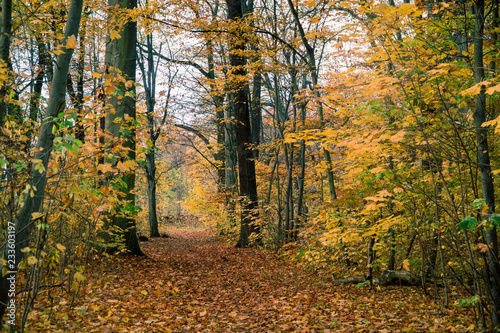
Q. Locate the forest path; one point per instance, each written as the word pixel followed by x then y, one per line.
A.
pixel 193 282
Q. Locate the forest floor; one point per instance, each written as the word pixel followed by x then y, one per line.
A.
pixel 194 282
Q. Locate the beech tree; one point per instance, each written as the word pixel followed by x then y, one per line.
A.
pixel 483 153
pixel 121 61
pixel 237 83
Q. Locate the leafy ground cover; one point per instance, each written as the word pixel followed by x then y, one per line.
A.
pixel 195 282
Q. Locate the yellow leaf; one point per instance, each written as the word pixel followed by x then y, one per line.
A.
pixel 105 167
pixel 79 277
pixel 475 89
pixel 71 42
pixel 406 264
pixel 36 215
pixel 113 34
pixel 310 3
pixel 96 75
pixel 376 199
pixel 32 260
pixel 377 170
pixel 39 167
pixel 129 84
pixel 398 136
pixel 384 193
pixel 60 247
pixel 492 90
pixel 126 166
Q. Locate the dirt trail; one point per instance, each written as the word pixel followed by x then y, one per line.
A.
pixel 195 283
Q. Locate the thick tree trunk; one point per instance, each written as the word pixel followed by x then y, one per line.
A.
pixel 246 164
pixel 121 56
pixel 20 236
pixel 485 167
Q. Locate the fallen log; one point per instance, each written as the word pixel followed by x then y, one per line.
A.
pixel 352 279
pixel 386 278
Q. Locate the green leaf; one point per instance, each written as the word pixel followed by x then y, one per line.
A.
pixel 495 220
pixel 3 162
pixel 479 203
pixel 468 223
pixel 19 166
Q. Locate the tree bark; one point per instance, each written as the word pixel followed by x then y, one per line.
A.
pixel 313 71
pixel 149 82
pixel 34 200
pixel 5 38
pixel 483 156
pixel 121 56
pixel 386 278
pixel 246 164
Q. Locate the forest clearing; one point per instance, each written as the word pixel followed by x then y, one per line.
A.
pixel 194 282
pixel 346 152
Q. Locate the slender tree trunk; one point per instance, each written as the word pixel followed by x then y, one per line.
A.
pixel 149 82
pixel 289 192
pixel 38 84
pixel 484 165
pixel 37 90
pixel 370 260
pixel 301 106
pixel 220 153
pixel 313 71
pixel 5 38
pixel 80 126
pixel 21 232
pixel 151 184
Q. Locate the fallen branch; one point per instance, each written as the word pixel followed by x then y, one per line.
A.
pixel 384 279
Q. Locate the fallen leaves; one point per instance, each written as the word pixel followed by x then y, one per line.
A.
pixel 184 284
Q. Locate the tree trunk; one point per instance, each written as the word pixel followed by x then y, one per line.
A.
pixel 220 153
pixel 5 38
pixel 313 71
pixel 370 260
pixel 151 183
pixel 33 201
pixel 149 82
pixel 484 165
pixel 246 164
pixel 121 56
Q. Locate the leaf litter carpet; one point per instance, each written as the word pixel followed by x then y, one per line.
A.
pixel 193 282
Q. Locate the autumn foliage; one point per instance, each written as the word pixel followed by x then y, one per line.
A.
pixel 353 138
